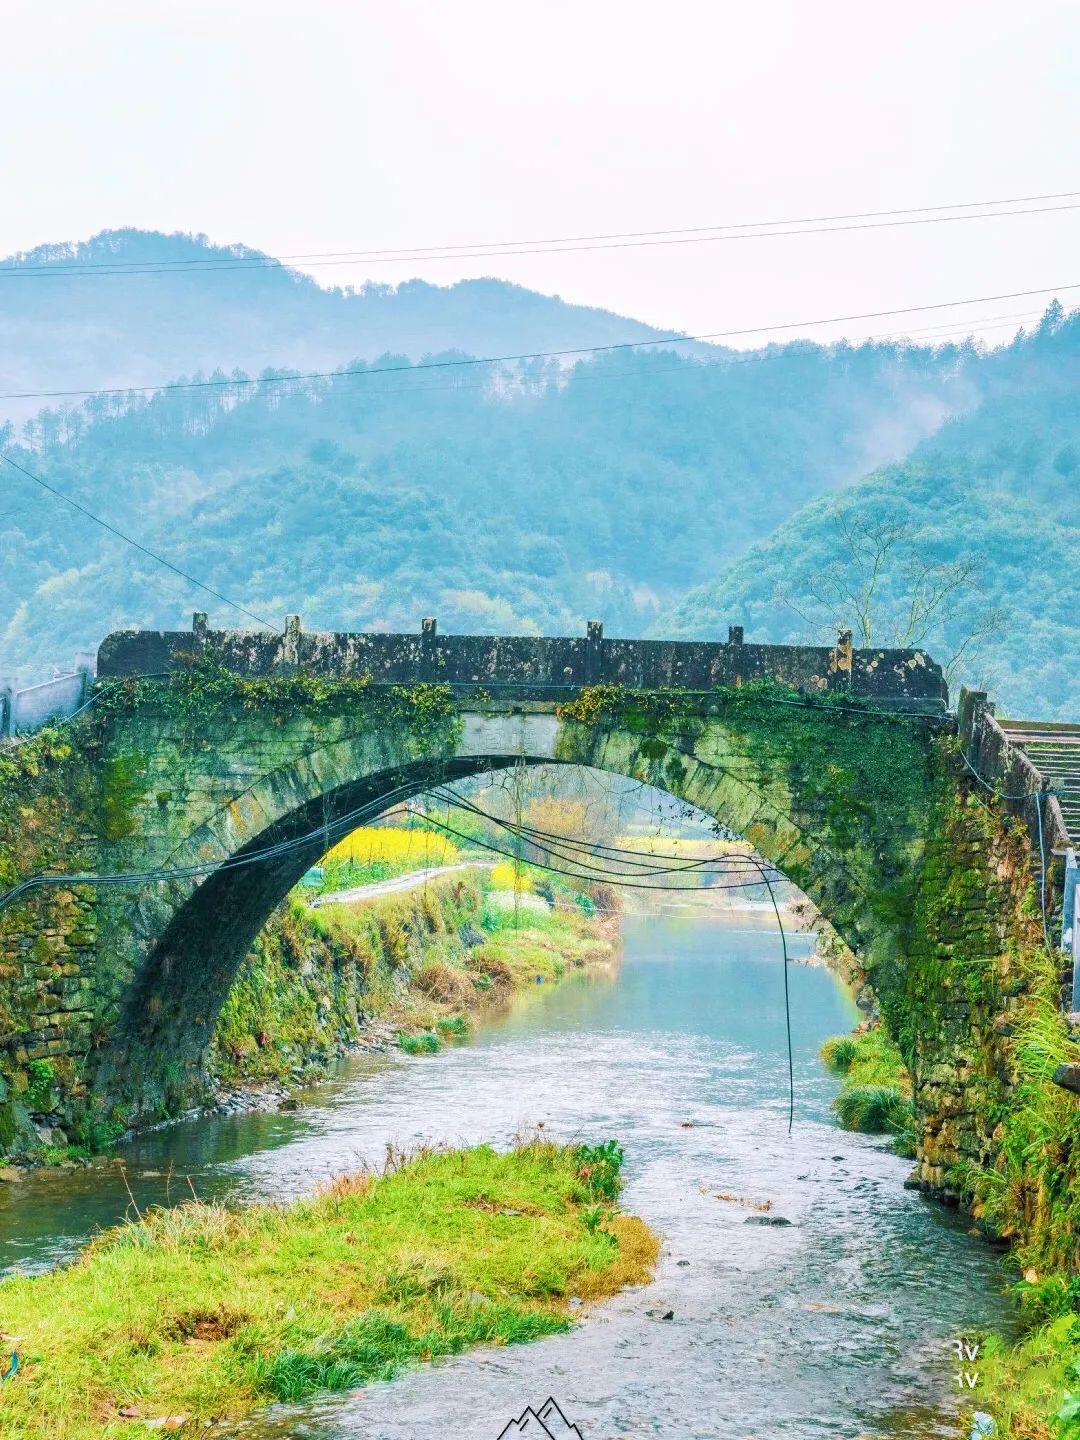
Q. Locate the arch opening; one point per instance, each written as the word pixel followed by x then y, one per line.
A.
pixel 165 1023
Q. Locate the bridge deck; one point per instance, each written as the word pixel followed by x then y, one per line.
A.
pixel 539 667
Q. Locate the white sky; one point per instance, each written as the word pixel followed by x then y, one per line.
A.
pixel 337 125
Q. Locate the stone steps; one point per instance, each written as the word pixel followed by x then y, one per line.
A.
pixel 1054 749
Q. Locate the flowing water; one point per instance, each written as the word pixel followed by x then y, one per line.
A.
pixel 838 1325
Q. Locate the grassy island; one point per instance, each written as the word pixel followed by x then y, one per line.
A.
pixel 207 1313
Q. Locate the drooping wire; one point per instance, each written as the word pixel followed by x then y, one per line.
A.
pixel 787 1003
pixel 186 872
pixel 673 338
pixel 450 797
pixel 158 559
pixel 490 250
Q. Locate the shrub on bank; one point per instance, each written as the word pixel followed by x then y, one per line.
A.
pixel 875 1097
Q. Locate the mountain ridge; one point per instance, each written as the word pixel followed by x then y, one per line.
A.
pixel 96 329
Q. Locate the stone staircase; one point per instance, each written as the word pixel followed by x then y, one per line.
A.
pixel 1054 750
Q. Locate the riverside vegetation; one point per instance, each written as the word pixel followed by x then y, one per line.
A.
pixel 875 1093
pixel 205 1312
pixel 421 963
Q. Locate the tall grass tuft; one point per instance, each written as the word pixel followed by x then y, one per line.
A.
pixel 426 1043
pixel 839 1053
pixel 874 1109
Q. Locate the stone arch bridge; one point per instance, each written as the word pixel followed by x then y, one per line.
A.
pixel 217 764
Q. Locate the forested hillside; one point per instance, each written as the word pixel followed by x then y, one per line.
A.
pixel 517 497
pixel 131 306
pixel 981 524
pixel 498 499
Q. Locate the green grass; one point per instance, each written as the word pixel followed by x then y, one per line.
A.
pixel 875 1097
pixel 839 1053
pixel 205 1311
pixel 452 1027
pixel 873 1109
pixel 425 1043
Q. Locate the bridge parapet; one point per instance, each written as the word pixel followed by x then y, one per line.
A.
pixel 537 667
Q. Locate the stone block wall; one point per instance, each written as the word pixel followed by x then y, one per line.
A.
pixel 48 943
pixel 976 965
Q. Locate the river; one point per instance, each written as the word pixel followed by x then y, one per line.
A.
pixel 838 1325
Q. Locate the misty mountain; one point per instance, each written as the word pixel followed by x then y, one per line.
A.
pixel 994 492
pixel 500 499
pixel 226 307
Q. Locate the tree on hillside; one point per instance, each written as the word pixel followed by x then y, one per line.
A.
pixel 888 591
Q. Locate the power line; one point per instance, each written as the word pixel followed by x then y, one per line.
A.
pixel 635 859
pixel 470 361
pixel 186 872
pixel 685 235
pixel 725 362
pixel 763 878
pixel 159 559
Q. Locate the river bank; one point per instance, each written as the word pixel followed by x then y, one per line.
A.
pixel 413 968
pixel 198 1315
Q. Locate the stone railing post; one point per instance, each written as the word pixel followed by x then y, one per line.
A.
pixel 735 645
pixel 290 645
pixel 594 652
pixel 199 625
pixel 7 707
pixel 844 656
pixel 429 639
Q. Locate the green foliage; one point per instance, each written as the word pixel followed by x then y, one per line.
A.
pixel 875 1097
pixel 874 1109
pixel 425 1043
pixel 41 1076
pixel 452 1027
pixel 839 1053
pixel 203 685
pixel 994 488
pixel 600 1166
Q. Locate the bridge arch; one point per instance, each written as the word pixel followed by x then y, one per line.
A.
pixel 835 796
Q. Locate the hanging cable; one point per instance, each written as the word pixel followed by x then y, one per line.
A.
pixel 764 877
pixel 673 338
pixel 787 1004
pixel 491 250
pixel 158 559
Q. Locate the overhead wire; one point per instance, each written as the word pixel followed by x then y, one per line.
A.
pixel 540 837
pixel 468 361
pixel 165 874
pixel 763 878
pixel 568 239
pixel 136 544
pixel 688 235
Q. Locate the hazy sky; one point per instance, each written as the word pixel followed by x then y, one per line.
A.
pixel 339 125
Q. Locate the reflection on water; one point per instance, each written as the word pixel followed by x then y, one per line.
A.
pixel 832 1327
